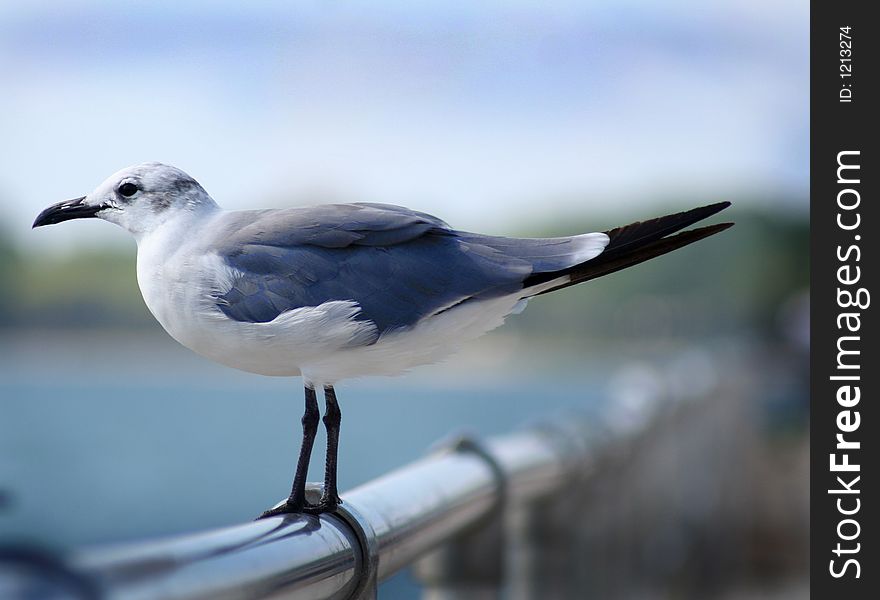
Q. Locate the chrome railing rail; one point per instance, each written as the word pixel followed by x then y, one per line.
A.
pixel 382 527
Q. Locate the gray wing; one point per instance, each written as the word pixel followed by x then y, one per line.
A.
pixel 398 265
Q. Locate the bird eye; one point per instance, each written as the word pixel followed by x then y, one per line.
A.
pixel 128 189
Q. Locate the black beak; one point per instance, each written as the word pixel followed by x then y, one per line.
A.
pixel 64 211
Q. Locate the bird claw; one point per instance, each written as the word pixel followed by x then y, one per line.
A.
pixel 326 505
pixel 282 509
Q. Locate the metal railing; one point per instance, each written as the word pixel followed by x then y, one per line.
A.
pixel 664 494
pixel 456 497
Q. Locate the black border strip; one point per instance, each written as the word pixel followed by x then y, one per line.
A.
pixel 844 227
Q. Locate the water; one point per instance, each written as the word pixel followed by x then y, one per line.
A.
pixel 118 438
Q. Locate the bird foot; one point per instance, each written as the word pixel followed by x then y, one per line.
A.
pixel 315 503
pixel 285 508
pixel 326 505
pixel 319 501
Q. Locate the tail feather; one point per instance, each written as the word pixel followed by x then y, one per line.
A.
pixel 635 243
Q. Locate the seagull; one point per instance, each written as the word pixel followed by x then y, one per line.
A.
pixel 341 290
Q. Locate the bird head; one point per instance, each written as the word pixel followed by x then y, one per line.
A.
pixel 138 198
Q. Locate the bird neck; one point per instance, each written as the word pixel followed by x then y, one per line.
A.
pixel 176 223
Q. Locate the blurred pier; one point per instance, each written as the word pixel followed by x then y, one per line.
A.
pixel 575 507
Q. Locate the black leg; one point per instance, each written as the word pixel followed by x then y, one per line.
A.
pixel 296 502
pixel 332 419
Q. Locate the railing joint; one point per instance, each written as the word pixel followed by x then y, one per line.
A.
pixel 368 545
pixel 464 442
pixel 368 580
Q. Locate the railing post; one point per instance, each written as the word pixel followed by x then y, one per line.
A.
pixel 542 549
pixel 544 533
pixel 471 566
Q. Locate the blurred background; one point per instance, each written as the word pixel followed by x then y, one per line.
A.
pixel 512 118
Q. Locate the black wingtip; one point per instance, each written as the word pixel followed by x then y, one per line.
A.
pixel 635 235
pixel 719 205
pixel 711 209
pixel 611 264
pixel 640 241
pixel 692 235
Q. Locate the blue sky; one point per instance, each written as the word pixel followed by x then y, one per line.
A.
pixel 487 114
